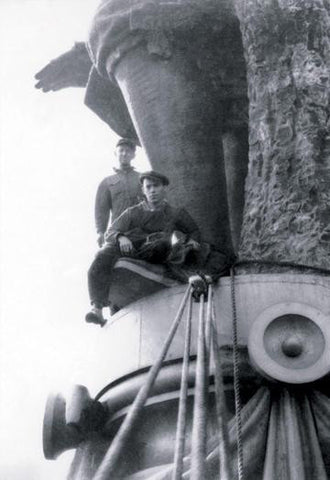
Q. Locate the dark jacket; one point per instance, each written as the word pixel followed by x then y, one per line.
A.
pixel 115 194
pixel 139 222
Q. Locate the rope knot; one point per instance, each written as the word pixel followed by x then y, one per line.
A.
pixel 199 284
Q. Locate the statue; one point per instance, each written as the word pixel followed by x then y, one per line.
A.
pixel 179 76
pixel 202 85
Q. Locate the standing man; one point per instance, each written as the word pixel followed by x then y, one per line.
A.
pixel 117 192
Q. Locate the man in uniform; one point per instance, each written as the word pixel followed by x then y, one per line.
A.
pixel 119 191
pixel 144 232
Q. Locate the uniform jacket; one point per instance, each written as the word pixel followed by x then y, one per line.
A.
pixel 139 223
pixel 114 194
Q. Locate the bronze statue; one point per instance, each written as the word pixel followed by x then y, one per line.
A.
pixel 180 76
pixel 152 78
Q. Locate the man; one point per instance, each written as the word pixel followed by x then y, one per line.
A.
pixel 144 232
pixel 119 191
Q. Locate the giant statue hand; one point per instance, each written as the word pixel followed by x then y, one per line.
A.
pixel 74 69
pixel 71 69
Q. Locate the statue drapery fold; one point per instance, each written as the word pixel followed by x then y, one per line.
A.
pixel 284 438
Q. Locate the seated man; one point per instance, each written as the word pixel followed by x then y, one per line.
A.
pixel 143 232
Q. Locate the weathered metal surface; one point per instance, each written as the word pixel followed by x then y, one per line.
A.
pixel 179 71
pixel 287 51
pixel 290 342
pixel 141 327
pixel 173 111
pixel 283 430
pixel 266 413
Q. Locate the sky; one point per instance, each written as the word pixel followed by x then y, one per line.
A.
pixel 53 154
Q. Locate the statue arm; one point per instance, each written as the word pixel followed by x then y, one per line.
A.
pixel 71 69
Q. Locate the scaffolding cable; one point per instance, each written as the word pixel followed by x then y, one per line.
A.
pixel 208 324
pixel 224 455
pixel 182 414
pixel 108 467
pixel 199 430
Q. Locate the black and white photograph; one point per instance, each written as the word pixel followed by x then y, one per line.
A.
pixel 165 240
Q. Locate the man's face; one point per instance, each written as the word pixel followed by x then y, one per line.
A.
pixel 153 190
pixel 125 155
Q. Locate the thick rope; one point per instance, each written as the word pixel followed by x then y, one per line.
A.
pixel 199 429
pixel 182 414
pixel 208 324
pixel 107 469
pixel 222 417
pixel 237 393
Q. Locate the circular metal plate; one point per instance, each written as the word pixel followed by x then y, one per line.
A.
pixel 290 342
pixel 53 426
pixel 57 436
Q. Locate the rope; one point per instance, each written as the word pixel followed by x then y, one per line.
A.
pixel 237 393
pixel 224 455
pixel 198 441
pixel 110 461
pixel 208 324
pixel 182 414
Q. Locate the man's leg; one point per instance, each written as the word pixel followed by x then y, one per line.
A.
pixel 99 276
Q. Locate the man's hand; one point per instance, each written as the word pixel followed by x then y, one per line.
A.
pixel 100 239
pixel 125 245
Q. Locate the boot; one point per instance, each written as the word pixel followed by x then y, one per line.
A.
pixel 95 316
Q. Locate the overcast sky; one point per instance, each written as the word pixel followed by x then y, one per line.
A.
pixel 53 154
